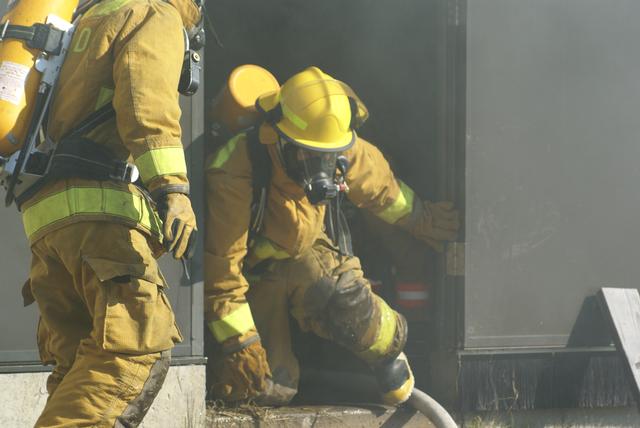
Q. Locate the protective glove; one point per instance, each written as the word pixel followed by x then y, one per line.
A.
pixel 433 223
pixel 179 228
pixel 243 374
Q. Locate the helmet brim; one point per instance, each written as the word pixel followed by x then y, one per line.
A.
pixel 289 134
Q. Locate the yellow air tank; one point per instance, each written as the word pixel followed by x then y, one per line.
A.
pixel 234 107
pixel 19 79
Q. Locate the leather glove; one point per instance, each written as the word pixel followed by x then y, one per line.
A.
pixel 241 375
pixel 433 223
pixel 179 228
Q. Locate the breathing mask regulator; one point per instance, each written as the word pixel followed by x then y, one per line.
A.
pixel 315 120
pixel 315 171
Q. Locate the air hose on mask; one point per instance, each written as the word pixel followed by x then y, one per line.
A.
pixel 355 382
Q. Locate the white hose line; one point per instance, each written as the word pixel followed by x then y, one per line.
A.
pixel 431 409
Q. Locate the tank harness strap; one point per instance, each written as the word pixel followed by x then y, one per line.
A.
pixel 43 37
pixel 92 121
pixel 260 181
pixel 81 9
pixel 260 177
pixel 78 157
pixel 337 226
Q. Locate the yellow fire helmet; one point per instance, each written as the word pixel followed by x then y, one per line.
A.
pixel 315 111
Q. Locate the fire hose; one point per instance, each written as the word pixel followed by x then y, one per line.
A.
pixel 431 409
pixel 419 400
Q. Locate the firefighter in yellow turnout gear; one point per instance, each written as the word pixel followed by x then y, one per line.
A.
pixel 106 323
pixel 257 278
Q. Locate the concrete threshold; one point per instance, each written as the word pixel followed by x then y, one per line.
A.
pixel 360 416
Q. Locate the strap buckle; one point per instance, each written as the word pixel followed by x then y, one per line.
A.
pixel 43 37
pixel 46 38
pixel 4 30
pixel 126 172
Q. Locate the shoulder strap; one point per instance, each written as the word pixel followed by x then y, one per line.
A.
pixel 92 121
pixel 81 9
pixel 337 226
pixel 260 177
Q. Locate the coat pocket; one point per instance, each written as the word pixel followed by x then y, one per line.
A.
pixel 132 312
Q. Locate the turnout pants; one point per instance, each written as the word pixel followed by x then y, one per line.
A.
pixel 106 324
pixel 327 295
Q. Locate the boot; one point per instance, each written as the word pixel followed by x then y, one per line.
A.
pixel 395 381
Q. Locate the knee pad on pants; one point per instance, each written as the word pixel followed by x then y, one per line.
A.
pixel 363 322
pixel 350 310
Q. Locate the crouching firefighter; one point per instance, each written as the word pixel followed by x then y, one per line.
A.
pixel 269 255
pixel 106 324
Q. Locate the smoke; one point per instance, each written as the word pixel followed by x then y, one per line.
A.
pixel 386 50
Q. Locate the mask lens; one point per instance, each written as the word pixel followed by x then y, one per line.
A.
pixel 306 166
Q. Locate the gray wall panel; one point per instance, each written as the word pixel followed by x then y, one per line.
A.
pixel 17 324
pixel 553 164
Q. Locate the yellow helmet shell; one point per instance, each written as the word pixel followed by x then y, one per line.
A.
pixel 316 111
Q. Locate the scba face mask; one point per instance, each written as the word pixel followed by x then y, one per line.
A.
pixel 314 171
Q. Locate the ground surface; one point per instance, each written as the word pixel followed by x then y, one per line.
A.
pixel 377 416
pixel 316 417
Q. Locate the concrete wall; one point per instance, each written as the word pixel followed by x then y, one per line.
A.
pixel 180 403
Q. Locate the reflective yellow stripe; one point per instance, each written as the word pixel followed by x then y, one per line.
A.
pixel 402 206
pixel 105 7
pixel 89 201
pixel 265 248
pixel 294 118
pixel 164 161
pixel 399 395
pixel 387 331
pixel 236 323
pixel 105 95
pixel 224 153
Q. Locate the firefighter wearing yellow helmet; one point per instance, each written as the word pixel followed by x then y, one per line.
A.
pixel 106 324
pixel 269 256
